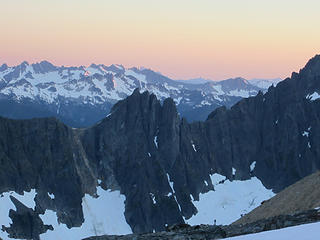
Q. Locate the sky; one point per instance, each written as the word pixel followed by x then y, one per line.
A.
pixel 215 39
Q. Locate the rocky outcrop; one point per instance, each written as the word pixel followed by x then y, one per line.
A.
pixel 26 223
pixel 158 160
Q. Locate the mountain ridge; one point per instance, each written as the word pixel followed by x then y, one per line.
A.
pixel 161 163
pixel 81 96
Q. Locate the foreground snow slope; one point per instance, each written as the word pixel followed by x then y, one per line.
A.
pixel 303 232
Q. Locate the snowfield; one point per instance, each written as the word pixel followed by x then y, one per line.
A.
pixel 103 215
pixel 302 232
pixel 229 201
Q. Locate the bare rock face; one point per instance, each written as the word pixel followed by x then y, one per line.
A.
pixel 143 145
pixel 26 223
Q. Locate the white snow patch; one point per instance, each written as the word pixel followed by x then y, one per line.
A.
pixel 218 89
pixel 234 171
pixel 155 140
pixel 309 145
pixel 103 215
pixel 172 190
pixel 252 166
pixel 206 183
pixel 312 97
pixel 277 121
pixel 119 66
pixel 194 147
pixel 140 77
pixel 153 198
pixel 263 83
pixel 51 196
pixel 309 231
pixel 229 200
pixel 149 154
pixel 307 132
pixel 205 102
pixel 178 100
pixel 239 93
pixel 192 199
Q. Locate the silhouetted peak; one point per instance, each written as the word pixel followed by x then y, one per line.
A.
pixel 312 67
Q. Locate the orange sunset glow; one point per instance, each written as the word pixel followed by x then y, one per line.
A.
pixel 181 39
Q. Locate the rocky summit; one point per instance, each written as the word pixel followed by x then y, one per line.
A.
pixel 162 164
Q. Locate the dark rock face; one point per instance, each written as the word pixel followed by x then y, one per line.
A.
pixel 26 223
pixel 43 154
pixel 144 144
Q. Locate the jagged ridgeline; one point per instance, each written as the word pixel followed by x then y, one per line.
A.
pixel 158 161
pixel 81 96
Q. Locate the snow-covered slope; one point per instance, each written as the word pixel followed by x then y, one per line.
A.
pixel 105 214
pixel 302 232
pixel 98 83
pixel 229 201
pixel 102 215
pixel 264 83
pixel 60 89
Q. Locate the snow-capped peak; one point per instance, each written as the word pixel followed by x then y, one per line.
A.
pixel 98 84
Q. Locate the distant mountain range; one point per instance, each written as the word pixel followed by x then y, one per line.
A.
pixel 258 82
pixel 81 96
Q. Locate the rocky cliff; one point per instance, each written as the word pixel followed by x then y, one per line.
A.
pixel 160 162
